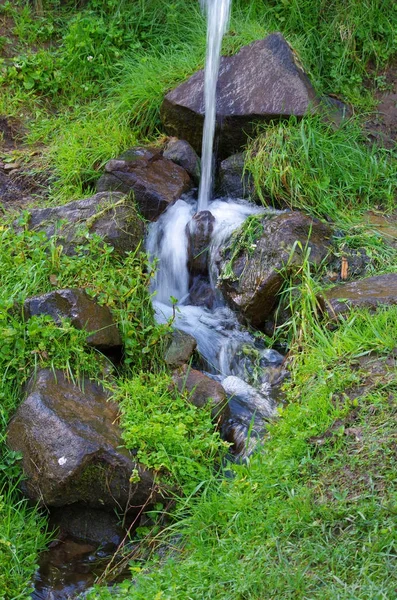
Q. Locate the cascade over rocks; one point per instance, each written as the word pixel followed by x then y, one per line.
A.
pixel 72 446
pixel 263 81
pixel 369 293
pixel 155 181
pixel 83 312
pixel 112 216
pixel 258 271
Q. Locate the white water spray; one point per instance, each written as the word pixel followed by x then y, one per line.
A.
pixel 218 12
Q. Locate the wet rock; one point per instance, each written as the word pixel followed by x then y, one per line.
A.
pixel 72 447
pixel 83 312
pixel 199 231
pixel 365 293
pixel 181 153
pixel 263 81
pixel 112 216
pixel 201 293
pixel 250 284
pixel 233 182
pixel 87 524
pixel 203 390
pixel 181 349
pixel 154 180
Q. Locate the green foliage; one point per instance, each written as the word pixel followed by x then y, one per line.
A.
pixel 170 434
pixel 243 240
pixel 328 172
pixel 304 518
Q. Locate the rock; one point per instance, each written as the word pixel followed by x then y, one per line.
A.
pixel 181 349
pixel 201 292
pixel 181 153
pixel 83 312
pixel 199 231
pixel 72 446
pixel 263 81
pixel 154 180
pixel 112 216
pixel 87 524
pixel 233 182
pixel 203 390
pixel 251 283
pixel 366 293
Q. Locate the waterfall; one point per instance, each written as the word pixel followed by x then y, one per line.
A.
pixel 218 12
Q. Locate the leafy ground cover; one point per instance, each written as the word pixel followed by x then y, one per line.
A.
pixel 311 517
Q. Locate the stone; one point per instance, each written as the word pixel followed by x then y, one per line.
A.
pixel 110 215
pixel 252 282
pixel 263 81
pixel 181 153
pixel 233 181
pixel 87 524
pixel 71 446
pixel 181 349
pixel 154 181
pixel 201 292
pixel 83 313
pixel 369 293
pixel 202 391
pixel 199 231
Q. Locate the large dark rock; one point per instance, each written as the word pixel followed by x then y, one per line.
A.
pixel 251 282
pixel 366 293
pixel 112 216
pixel 181 153
pixel 203 391
pixel 83 312
pixel 199 231
pixel 72 447
pixel 154 180
pixel 263 81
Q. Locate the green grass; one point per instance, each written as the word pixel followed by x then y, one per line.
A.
pixel 303 519
pixel 328 172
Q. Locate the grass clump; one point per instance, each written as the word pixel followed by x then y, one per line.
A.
pixel 327 172
pixel 290 523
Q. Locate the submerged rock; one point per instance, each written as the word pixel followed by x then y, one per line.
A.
pixel 154 180
pixel 251 275
pixel 202 391
pixel 365 293
pixel 112 216
pixel 72 447
pixel 83 312
pixel 181 153
pixel 263 81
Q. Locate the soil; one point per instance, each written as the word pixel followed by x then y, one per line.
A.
pixel 382 126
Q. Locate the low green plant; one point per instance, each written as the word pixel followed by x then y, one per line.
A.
pixel 244 239
pixel 170 435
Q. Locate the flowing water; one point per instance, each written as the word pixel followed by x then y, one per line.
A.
pixel 218 12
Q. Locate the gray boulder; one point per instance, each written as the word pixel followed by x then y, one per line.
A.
pixel 83 312
pixel 251 281
pixel 181 153
pixel 180 349
pixel 263 81
pixel 72 447
pixel 369 293
pixel 154 180
pixel 112 216
pixel 233 181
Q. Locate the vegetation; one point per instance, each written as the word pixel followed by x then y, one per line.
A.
pixel 312 516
